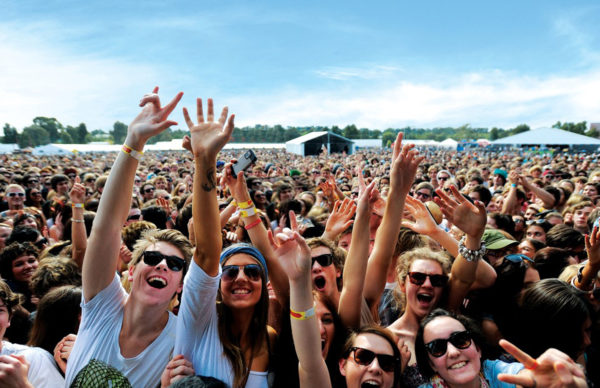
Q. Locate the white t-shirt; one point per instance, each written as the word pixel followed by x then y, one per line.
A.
pixel 42 368
pixel 96 356
pixel 198 333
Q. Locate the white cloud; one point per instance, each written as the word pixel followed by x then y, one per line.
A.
pixel 487 99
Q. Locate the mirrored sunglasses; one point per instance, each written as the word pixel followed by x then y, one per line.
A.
pixel 251 271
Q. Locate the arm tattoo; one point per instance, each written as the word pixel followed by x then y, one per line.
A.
pixel 210 183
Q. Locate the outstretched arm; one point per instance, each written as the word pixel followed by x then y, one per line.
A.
pixel 355 267
pixel 207 139
pixel 552 369
pixel 405 161
pixel 105 239
pixel 510 205
pixel 258 234
pixel 547 198
pixel 296 262
pixel 471 219
pixel 78 232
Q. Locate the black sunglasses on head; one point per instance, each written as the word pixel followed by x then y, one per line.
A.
pixel 174 263
pixel 365 357
pixel 323 260
pixel 439 347
pixel 418 278
pixel 230 272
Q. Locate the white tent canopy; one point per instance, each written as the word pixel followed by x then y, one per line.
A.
pixel 547 136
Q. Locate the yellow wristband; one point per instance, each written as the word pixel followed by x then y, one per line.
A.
pixel 248 212
pixel 303 315
pixel 77 205
pixel 131 152
pixel 246 204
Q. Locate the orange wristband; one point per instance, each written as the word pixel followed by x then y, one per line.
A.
pixel 253 224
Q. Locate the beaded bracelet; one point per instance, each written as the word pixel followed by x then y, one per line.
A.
pixel 78 221
pixel 303 315
pixel 471 254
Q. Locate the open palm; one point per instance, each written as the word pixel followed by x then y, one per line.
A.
pixel 208 137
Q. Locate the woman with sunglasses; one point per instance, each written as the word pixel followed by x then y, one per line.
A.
pixel 229 339
pixel 428 279
pixel 370 356
pixel 128 338
pixel 449 354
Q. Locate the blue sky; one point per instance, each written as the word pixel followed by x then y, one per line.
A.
pixel 376 64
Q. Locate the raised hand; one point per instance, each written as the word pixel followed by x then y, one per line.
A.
pixel 208 137
pixel 553 369
pixel 294 255
pixel 424 223
pixel 176 369
pixel 77 193
pixel 468 217
pixel 152 120
pixel 340 218
pixel 405 161
pixel 237 186
pixel 592 246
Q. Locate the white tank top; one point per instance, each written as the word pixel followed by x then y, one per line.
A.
pixel 257 380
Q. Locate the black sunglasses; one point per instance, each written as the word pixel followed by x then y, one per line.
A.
pixel 40 243
pixel 13 194
pixel 230 272
pixel 174 263
pixel 418 278
pixel 149 190
pixel 439 347
pixel 365 357
pixel 134 217
pixel 422 194
pixel 536 222
pixel 323 260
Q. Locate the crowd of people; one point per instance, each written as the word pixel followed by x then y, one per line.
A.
pixel 385 268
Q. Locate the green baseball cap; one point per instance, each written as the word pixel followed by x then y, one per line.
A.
pixel 495 239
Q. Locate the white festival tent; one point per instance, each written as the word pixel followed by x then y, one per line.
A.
pixel 547 137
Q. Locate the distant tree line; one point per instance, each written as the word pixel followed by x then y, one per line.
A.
pixel 45 130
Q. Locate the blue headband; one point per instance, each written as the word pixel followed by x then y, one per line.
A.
pixel 247 249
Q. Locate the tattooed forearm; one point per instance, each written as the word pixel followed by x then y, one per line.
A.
pixel 210 183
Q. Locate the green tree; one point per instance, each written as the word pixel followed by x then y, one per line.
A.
pixel 119 132
pixel 11 135
pixel 33 136
pixel 65 138
pixel 52 126
pixel 351 132
pixel 388 137
pixel 520 128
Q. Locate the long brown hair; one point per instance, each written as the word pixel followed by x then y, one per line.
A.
pixel 258 329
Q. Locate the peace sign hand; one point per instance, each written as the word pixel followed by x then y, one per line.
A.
pixel 152 120
pixel 553 369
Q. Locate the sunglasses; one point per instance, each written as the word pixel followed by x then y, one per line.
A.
pixel 134 217
pixel 40 244
pixel 33 181
pixel 458 339
pixel 443 178
pixel 536 222
pixel 16 194
pixel 418 278
pixel 365 357
pixel 174 263
pixel 422 194
pixel 149 190
pixel 518 220
pixel 518 257
pixel 323 260
pixel 251 271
